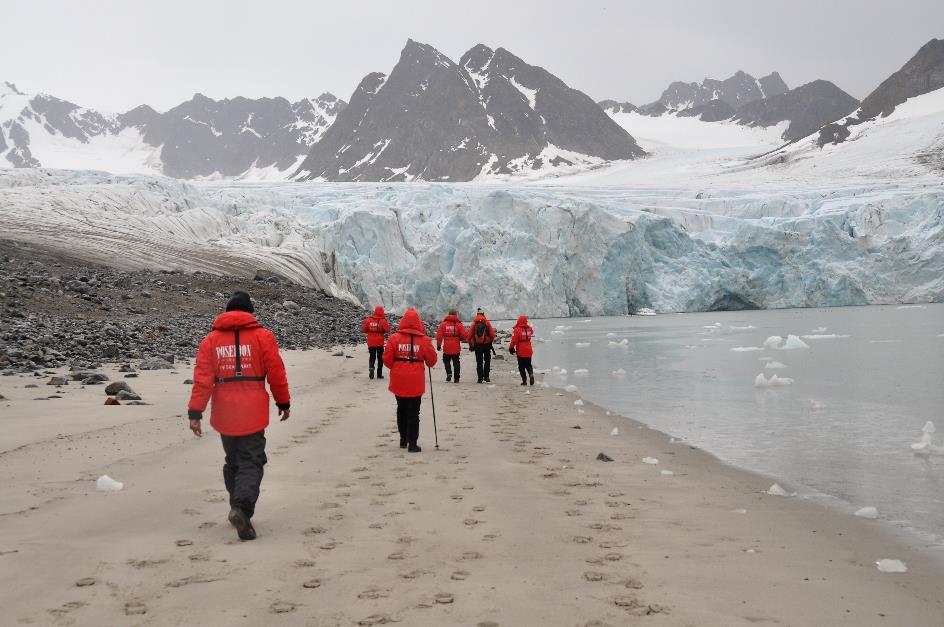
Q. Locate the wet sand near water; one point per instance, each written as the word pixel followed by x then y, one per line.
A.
pixel 512 522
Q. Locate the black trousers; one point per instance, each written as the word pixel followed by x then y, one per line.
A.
pixel 376 355
pixel 242 471
pixel 483 361
pixel 408 417
pixel 524 367
pixel 451 362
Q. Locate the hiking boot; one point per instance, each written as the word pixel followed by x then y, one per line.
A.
pixel 524 383
pixel 370 373
pixel 480 380
pixel 380 375
pixel 457 380
pixel 448 378
pixel 414 448
pixel 487 380
pixel 402 442
pixel 532 379
pixel 244 529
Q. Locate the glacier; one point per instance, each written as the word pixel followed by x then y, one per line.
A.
pixel 726 227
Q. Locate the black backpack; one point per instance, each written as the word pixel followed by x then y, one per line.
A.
pixel 481 332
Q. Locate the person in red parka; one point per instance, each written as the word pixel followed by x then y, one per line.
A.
pixel 481 338
pixel 233 363
pixel 408 353
pixel 376 327
pixel 449 340
pixel 521 338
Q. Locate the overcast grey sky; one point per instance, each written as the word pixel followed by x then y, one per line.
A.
pixel 116 54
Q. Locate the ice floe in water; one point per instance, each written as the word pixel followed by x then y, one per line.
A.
pixel 891 566
pixel 777 490
pixel 650 460
pixel 912 307
pixel 774 341
pixel 746 349
pixel 870 513
pixel 773 365
pixel 107 484
pixel 582 344
pixel 737 328
pixel 611 335
pixel 927 444
pixel 623 343
pixel 619 372
pixel 818 330
pixel 570 388
pixel 793 343
pixel 774 381
pixel 823 336
pixel 581 372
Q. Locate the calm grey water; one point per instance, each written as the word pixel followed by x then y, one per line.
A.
pixel 843 429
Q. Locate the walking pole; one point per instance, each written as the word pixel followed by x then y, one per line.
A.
pixel 432 399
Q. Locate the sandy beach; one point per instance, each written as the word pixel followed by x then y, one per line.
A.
pixel 512 522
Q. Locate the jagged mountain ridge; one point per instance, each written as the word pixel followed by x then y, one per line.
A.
pixel 489 114
pixel 201 137
pixel 922 74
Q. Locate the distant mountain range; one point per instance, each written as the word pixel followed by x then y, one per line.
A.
pixel 489 114
pixel 750 101
pixel 200 138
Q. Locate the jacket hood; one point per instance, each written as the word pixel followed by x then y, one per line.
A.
pixel 232 320
pixel 481 316
pixel 451 318
pixel 522 321
pixel 379 313
pixel 411 323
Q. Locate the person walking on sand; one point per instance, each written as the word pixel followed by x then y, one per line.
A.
pixel 481 337
pixel 521 346
pixel 449 340
pixel 408 353
pixel 233 363
pixel 376 327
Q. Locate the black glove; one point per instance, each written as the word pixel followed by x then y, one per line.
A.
pixel 511 350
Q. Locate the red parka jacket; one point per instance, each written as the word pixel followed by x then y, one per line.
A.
pixel 521 337
pixel 239 407
pixel 450 336
pixel 407 354
pixel 491 332
pixel 376 327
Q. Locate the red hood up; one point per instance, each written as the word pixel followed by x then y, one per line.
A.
pixel 451 318
pixel 379 313
pixel 411 323
pixel 522 321
pixel 232 320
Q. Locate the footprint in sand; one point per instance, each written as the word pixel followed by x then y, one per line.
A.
pixel 444 598
pixel 85 581
pixel 312 583
pixel 336 516
pixel 135 608
pixel 328 546
pixel 206 525
pixel 405 540
pixel 66 608
pixel 471 522
pixel 184 542
pixel 330 505
pixel 303 563
pixel 561 492
pixel 413 574
pixel 375 525
pixel 199 557
pixel 377 619
pixel 581 539
pixel 478 508
pixel 456 497
pixel 397 555
pixel 574 512
pixel 459 575
pixel 487 623
pixel 374 593
pixel 631 583
pixel 591 575
pixel 489 537
pixel 282 607
pixel 471 555
pixel 192 579
pixel 139 564
pixel 604 527
pixel 313 531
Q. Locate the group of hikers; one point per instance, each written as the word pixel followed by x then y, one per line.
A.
pixel 238 356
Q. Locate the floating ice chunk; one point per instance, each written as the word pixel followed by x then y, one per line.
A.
pixel 737 328
pixel 578 402
pixel 927 445
pixel 667 473
pixel 912 307
pixel 107 484
pixel 615 431
pixel 611 335
pixel 928 427
pixel 774 341
pixel 777 490
pixel 541 340
pixel 582 344
pixel 623 343
pixel 891 566
pixel 619 372
pixel 818 330
pixel 746 349
pixel 824 336
pixel 793 343
pixel 570 388
pixel 556 332
pixel 581 372
pixel 561 327
pixel 774 381
pixel 712 327
pixel 867 512
pixel 588 321
pixel 765 358
pixel 774 365
pixel 815 405
pixel 650 460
